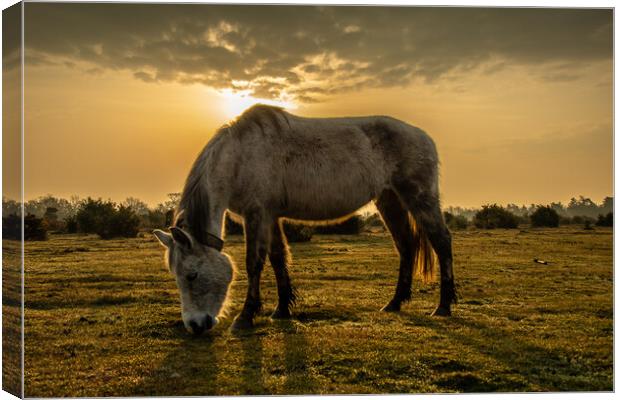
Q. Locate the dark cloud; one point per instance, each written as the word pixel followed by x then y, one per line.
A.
pixel 271 50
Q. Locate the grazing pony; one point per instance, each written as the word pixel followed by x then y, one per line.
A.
pixel 269 165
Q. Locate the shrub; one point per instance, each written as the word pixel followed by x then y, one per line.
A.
pixel 12 227
pixel 297 232
pixel 71 224
pixel 582 219
pixel 34 228
pixel 605 220
pixel 233 227
pixel 106 219
pixel 565 220
pixel 455 222
pixel 494 216
pixel 351 226
pixel 52 220
pixel 373 221
pixel 545 216
pixel 156 219
pixel 123 222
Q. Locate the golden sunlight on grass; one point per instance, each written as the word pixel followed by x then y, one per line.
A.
pixel 234 103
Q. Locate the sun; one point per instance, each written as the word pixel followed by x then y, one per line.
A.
pixel 234 103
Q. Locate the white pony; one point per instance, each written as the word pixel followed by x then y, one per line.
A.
pixel 270 165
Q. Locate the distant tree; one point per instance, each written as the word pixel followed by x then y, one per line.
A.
pixel 605 220
pixel 545 216
pixel 34 228
pixel 373 220
pixel 608 205
pixel 107 219
pixel 565 220
pixel 10 207
pixel 139 207
pixel 455 222
pixel 156 219
pixel 92 213
pixel 172 202
pixel 582 206
pixel 170 217
pixel 39 205
pixel 494 216
pixel 582 219
pixel 52 220
pixel 559 208
pixel 351 226
pixel 468 213
pixel 12 227
pixel 71 224
pixel 123 222
pixel 297 232
pixel 233 227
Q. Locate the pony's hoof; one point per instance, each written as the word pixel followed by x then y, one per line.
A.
pixel 281 314
pixel 241 323
pixel 391 307
pixel 442 311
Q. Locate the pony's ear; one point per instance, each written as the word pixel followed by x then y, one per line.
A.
pixel 181 237
pixel 164 238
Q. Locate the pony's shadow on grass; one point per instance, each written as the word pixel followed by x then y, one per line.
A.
pixel 290 362
pixel 190 369
pixel 523 363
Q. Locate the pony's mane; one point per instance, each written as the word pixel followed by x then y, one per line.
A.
pixel 193 210
pixel 261 116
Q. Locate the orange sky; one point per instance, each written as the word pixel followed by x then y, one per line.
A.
pixel 120 106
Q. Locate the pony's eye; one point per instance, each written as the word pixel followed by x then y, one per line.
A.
pixel 191 276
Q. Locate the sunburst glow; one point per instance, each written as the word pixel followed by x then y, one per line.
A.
pixel 234 103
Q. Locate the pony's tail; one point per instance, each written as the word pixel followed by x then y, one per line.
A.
pixel 424 257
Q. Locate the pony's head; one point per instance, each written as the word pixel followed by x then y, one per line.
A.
pixel 203 275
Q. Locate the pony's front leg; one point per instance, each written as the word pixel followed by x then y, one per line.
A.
pixel 257 237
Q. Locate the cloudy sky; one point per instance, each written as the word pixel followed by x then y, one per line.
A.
pixel 120 98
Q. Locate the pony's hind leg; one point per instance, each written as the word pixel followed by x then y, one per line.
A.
pixel 396 218
pixel 257 236
pixel 279 258
pixel 424 206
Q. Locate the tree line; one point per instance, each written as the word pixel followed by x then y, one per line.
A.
pixel 109 219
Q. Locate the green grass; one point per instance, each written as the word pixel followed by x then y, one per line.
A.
pixel 103 318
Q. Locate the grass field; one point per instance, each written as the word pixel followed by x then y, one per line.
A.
pixel 103 318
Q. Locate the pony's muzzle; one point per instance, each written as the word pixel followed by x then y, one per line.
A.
pixel 197 327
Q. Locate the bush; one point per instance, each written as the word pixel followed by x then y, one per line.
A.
pixel 494 216
pixel 232 227
pixel 297 232
pixel 373 221
pixel 12 227
pixel 582 219
pixel 545 216
pixel 455 222
pixel 123 222
pixel 106 219
pixel 565 220
pixel 71 224
pixel 605 220
pixel 352 226
pixel 34 228
pixel 52 221
pixel 156 219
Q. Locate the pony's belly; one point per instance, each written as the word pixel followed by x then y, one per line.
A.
pixel 321 206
